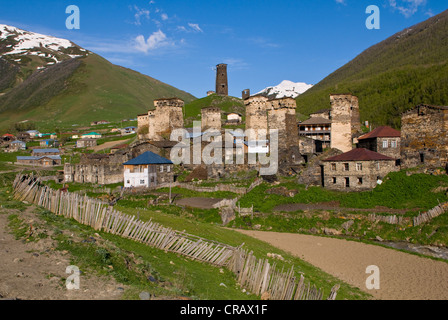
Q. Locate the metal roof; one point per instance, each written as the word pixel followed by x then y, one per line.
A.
pixel 148 158
pixel 381 132
pixel 360 154
pixel 46 151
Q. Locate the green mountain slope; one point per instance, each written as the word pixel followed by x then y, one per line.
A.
pixel 393 76
pixel 83 90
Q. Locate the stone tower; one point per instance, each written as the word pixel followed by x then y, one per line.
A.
pixel 211 118
pixel 222 86
pixel 346 123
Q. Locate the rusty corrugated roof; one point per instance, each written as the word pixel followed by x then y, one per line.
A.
pixel 360 154
pixel 381 132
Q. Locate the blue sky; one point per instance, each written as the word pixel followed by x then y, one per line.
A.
pixel 263 42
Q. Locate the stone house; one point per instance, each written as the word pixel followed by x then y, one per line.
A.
pixel 147 170
pixel 49 143
pixel 17 145
pixel 44 161
pixel 86 143
pixel 384 140
pixel 424 139
pixel 356 170
pixel 318 129
pixel 233 118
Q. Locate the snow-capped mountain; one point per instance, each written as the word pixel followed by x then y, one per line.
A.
pixel 286 89
pixel 16 43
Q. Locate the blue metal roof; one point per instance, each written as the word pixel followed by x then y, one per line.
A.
pixel 46 150
pixel 148 158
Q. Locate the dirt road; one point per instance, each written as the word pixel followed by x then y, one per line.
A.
pixel 36 271
pixel 402 276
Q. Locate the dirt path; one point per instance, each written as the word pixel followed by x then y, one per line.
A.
pixel 36 271
pixel 201 203
pixel 107 145
pixel 402 276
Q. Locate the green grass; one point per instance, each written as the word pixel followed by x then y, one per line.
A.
pixel 399 191
pixel 97 90
pixel 227 104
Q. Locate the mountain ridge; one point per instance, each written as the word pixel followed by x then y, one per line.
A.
pixel 52 79
pixel 392 76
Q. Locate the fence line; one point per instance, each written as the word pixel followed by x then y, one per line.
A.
pixel 431 214
pixel 387 219
pixel 256 275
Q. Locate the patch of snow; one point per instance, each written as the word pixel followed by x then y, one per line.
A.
pixel 29 40
pixel 287 89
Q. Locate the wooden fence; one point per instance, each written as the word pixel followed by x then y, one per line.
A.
pixel 256 275
pixel 101 217
pixel 431 214
pixel 387 219
pixel 260 277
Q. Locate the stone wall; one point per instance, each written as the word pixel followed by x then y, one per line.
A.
pixel 424 137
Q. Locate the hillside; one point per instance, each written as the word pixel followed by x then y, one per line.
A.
pixel 226 103
pixel 49 85
pixel 393 76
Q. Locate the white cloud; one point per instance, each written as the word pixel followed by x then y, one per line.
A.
pixel 164 16
pixel 139 14
pixel 236 64
pixel 192 27
pixel 155 41
pixel 195 27
pixel 407 7
pixel 341 2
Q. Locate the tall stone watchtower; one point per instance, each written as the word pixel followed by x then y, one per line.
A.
pixel 222 85
pixel 345 118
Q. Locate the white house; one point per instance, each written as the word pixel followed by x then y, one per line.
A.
pixel 257 146
pixel 147 170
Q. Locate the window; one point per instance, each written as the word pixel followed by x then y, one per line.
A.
pixel 334 180
pixel 168 169
pixel 359 167
pixel 142 181
pixel 393 144
pixel 333 167
pixel 161 168
pixel 359 181
pixel 377 165
pixel 346 167
pixel 128 181
pixel 385 144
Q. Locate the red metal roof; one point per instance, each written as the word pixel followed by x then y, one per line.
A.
pixel 381 132
pixel 360 154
